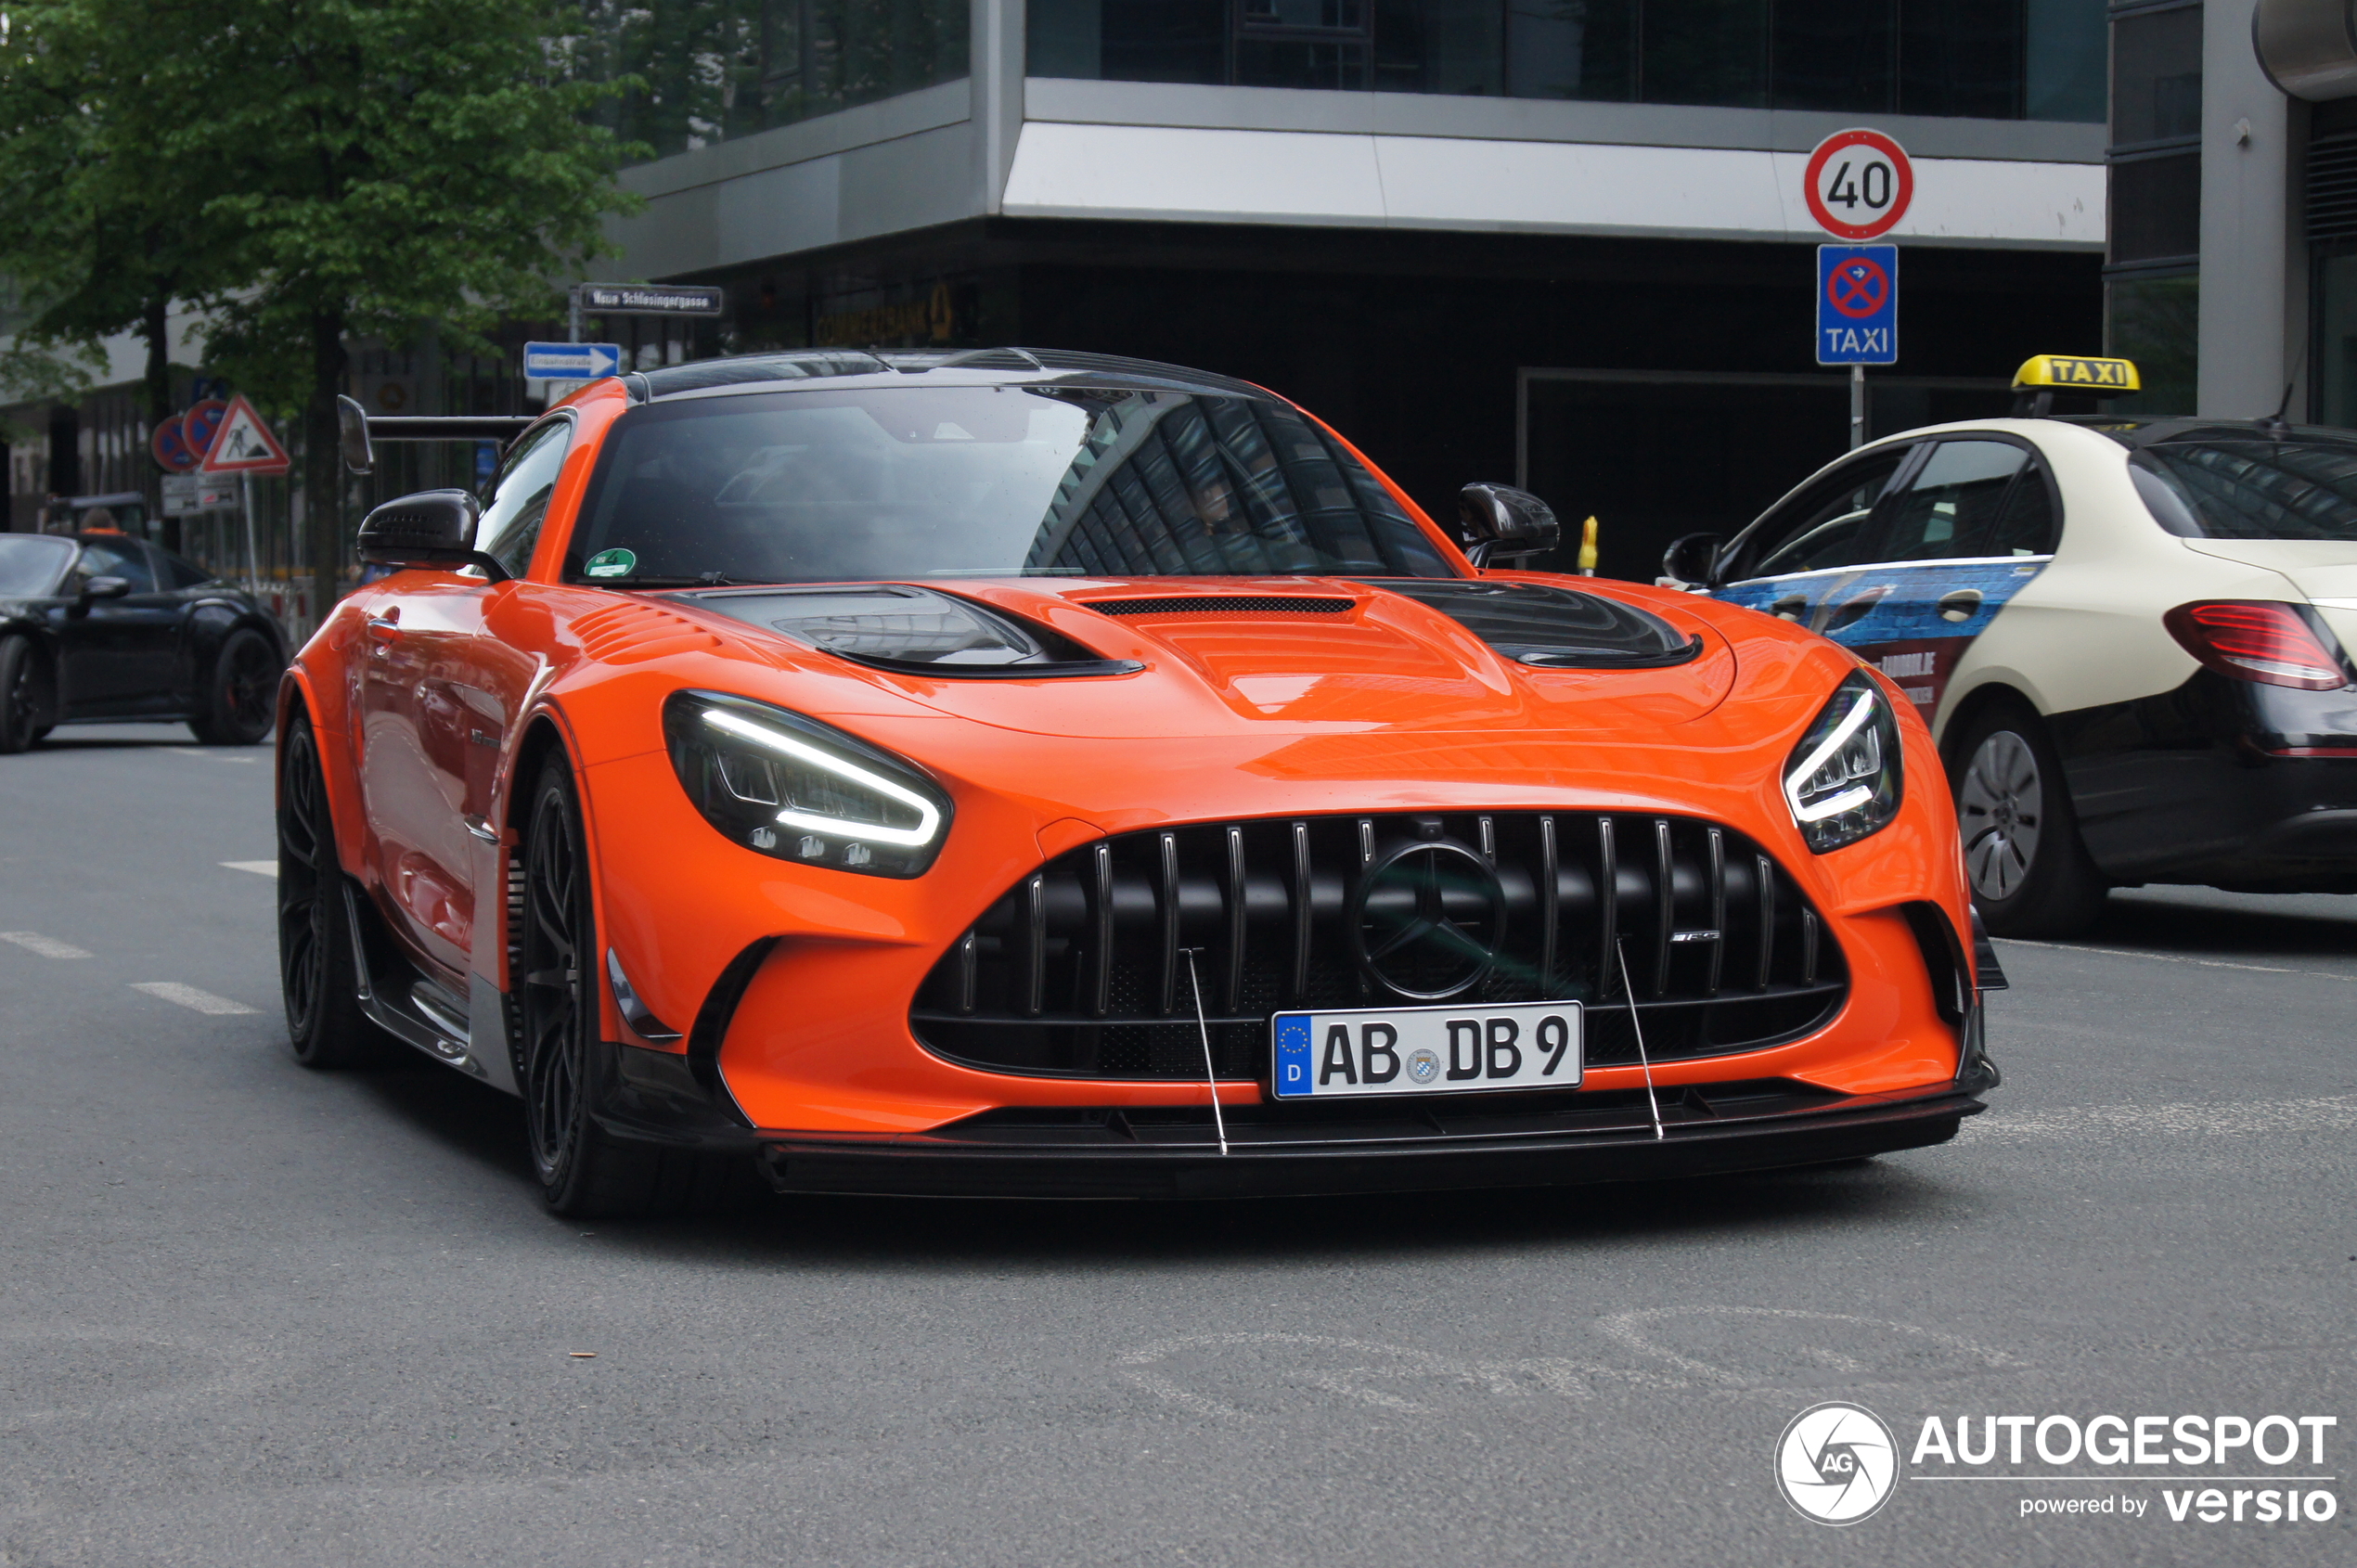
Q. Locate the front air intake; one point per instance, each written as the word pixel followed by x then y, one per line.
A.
pixel 1081 969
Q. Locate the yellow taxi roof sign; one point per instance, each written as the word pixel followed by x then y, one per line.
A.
pixel 2100 376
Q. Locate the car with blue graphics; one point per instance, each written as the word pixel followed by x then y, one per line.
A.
pixel 2128 633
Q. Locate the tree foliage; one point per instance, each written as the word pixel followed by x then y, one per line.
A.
pixel 307 171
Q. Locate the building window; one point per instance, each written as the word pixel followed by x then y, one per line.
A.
pixel 2005 59
pixel 712 69
pixel 2152 283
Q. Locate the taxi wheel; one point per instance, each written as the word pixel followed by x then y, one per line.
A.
pixel 585 1171
pixel 2031 875
pixel 318 975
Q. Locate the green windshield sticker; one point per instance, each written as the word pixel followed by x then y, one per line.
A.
pixel 611 563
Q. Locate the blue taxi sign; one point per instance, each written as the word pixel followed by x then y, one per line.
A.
pixel 1857 305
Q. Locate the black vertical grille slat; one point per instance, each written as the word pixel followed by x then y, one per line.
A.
pixel 2332 187
pixel 1304 894
pixel 1717 944
pixel 1238 913
pixel 1550 900
pixel 1074 971
pixel 1608 961
pixel 1100 935
pixel 1035 944
pixel 1765 872
pixel 1167 913
pixel 1665 904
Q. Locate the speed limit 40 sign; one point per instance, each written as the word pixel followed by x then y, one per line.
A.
pixel 1858 184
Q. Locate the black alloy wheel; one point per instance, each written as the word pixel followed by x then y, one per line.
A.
pixel 24 694
pixel 584 1170
pixel 318 973
pixel 241 691
pixel 2030 872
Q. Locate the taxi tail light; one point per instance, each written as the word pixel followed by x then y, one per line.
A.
pixel 2263 640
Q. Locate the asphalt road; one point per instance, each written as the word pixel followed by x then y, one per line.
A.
pixel 255 1315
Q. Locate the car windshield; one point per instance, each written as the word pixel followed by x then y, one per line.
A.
pixel 32 563
pixel 2254 489
pixel 895 483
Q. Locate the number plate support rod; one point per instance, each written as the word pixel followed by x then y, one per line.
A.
pixel 1653 1102
pixel 1211 1075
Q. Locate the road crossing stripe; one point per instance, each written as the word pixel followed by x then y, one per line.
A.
pixel 217 756
pixel 2164 957
pixel 189 996
pixel 47 947
pixel 259 868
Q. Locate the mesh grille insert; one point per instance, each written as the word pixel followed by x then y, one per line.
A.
pixel 1233 604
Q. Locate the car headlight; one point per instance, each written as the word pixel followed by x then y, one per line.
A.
pixel 797 789
pixel 1843 781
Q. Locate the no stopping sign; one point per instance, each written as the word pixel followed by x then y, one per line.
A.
pixel 1858 184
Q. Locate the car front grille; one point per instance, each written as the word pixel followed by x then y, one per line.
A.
pixel 1093 965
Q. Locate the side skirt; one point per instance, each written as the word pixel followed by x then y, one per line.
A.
pixel 422 1011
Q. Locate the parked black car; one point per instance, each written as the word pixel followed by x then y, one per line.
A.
pixel 101 627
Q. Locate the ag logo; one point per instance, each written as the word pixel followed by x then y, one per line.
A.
pixel 1837 1464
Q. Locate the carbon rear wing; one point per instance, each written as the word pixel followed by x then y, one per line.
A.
pixel 359 430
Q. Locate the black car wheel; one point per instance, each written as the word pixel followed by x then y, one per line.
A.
pixel 583 1169
pixel 24 694
pixel 2031 875
pixel 235 706
pixel 318 974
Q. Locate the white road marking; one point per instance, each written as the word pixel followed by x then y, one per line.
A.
pixel 2165 957
pixel 47 947
pixel 2244 1119
pixel 189 996
pixel 217 756
pixel 259 868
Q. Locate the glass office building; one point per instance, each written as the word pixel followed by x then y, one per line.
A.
pixel 1558 241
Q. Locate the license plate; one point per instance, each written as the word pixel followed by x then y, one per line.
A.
pixel 1427 1051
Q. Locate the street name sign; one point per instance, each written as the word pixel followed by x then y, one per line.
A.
pixel 1858 184
pixel 649 299
pixel 1857 305
pixel 571 362
pixel 244 445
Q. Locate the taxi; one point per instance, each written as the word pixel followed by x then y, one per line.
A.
pixel 2127 633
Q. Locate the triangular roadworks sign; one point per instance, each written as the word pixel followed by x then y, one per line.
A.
pixel 243 445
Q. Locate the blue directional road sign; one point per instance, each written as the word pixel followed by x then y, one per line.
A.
pixel 1857 305
pixel 571 362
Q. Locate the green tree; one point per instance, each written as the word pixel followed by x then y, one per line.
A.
pixel 108 226
pixel 388 163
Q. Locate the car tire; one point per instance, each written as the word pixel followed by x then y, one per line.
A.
pixel 586 1172
pixel 2029 870
pixel 318 972
pixel 241 692
pixel 24 694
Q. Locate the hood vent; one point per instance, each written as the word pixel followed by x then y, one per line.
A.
pixel 912 631
pixel 1219 604
pixel 1553 628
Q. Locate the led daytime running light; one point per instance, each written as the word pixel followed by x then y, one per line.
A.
pixel 1857 794
pixel 928 815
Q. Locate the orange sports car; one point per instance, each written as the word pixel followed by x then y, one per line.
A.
pixel 1047 774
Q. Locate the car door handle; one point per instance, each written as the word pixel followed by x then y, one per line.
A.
pixel 1960 605
pixel 1792 607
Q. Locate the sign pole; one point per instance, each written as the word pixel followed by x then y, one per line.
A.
pixel 573 297
pixel 253 557
pixel 1857 406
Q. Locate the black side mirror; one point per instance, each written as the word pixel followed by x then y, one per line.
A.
pixel 1692 559
pixel 352 435
pixel 434 528
pixel 1500 522
pixel 104 587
